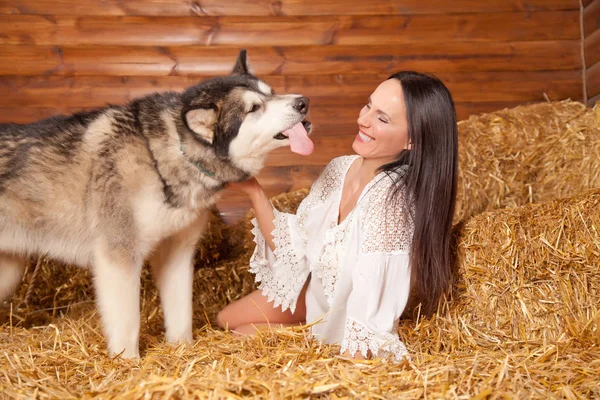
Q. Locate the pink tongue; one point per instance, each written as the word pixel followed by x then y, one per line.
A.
pixel 299 140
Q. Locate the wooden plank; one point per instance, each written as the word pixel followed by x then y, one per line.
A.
pixel 592 76
pixel 591 18
pixel 295 60
pixel 586 3
pixel 594 100
pixel 29 60
pixel 286 31
pixel 85 91
pixel 270 7
pixel 330 120
pixel 327 120
pixel 96 91
pixel 465 86
pixel 592 48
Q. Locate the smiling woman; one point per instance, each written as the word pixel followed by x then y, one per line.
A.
pixel 382 123
pixel 372 237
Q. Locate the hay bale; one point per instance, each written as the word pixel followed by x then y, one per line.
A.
pixel 532 273
pixel 527 154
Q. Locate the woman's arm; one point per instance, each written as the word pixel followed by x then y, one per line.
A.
pixel 262 207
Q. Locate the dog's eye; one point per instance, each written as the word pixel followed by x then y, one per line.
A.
pixel 255 108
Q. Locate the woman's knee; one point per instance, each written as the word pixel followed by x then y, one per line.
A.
pixel 221 319
pixel 255 309
pixel 224 318
pixel 237 313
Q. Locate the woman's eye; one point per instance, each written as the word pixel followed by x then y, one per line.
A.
pixel 383 120
pixel 255 108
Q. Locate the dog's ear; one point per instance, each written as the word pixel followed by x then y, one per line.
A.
pixel 242 67
pixel 201 121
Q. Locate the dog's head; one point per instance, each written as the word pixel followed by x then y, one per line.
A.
pixel 242 118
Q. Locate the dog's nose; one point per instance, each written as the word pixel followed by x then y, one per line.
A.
pixel 301 104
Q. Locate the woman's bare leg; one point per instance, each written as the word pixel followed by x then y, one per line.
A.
pixel 251 329
pixel 254 309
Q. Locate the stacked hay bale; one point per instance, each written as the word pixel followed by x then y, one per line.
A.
pixel 527 154
pixel 533 273
pixel 524 319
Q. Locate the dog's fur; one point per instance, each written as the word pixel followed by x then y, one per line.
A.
pixel 113 188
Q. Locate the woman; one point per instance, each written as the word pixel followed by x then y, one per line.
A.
pixel 374 228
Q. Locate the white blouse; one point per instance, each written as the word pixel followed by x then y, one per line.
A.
pixel 360 273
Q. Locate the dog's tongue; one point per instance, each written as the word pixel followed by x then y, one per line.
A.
pixel 299 141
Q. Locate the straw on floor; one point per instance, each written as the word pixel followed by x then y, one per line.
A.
pixel 523 320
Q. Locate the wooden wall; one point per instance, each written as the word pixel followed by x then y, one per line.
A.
pixel 59 56
pixel 591 33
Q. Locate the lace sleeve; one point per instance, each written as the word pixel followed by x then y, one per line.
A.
pixel 281 273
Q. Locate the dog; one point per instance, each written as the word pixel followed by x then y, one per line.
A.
pixel 123 185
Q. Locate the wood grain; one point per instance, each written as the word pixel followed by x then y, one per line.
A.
pixel 586 3
pixel 591 18
pixel 594 100
pixel 281 7
pixel 96 91
pixel 293 60
pixel 286 31
pixel 592 48
pixel 329 120
pixel 593 80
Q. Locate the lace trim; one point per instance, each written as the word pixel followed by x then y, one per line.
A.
pixel 282 282
pixel 387 227
pixel 329 180
pixel 357 337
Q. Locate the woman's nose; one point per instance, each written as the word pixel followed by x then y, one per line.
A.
pixel 363 120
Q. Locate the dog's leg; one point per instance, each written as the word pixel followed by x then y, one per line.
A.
pixel 117 283
pixel 173 269
pixel 11 271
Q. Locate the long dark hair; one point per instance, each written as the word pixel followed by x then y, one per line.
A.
pixel 430 182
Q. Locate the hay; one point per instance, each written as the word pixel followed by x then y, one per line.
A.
pixel 524 321
pixel 514 329
pixel 533 273
pixel 527 154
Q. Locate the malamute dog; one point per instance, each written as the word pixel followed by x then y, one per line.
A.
pixel 112 188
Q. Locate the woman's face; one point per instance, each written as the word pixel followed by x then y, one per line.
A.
pixel 382 125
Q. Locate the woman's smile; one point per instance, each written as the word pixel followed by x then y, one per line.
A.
pixel 363 137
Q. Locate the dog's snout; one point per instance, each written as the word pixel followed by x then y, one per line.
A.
pixel 301 104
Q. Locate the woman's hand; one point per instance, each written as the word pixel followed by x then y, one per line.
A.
pixel 250 187
pixel 261 204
